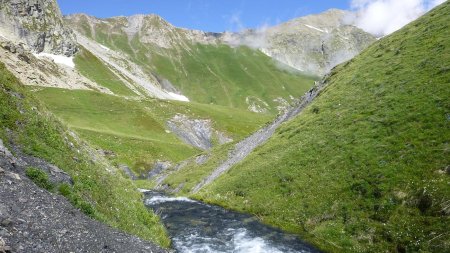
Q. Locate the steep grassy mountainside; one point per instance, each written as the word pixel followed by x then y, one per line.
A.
pixel 366 168
pixel 136 130
pixel 194 64
pixel 98 190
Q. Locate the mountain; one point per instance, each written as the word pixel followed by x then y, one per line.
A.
pixel 37 23
pixel 190 63
pixel 224 68
pixel 313 44
pixel 364 168
pixel 88 102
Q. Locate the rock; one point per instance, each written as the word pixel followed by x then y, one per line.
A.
pixel 198 133
pixel 201 159
pixel 58 176
pixel 14 176
pixel 158 167
pixel 6 222
pixel 39 24
pixel 195 132
pixel 107 153
pixel 3 247
pixel 128 172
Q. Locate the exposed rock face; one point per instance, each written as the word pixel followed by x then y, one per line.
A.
pixel 313 44
pixel 158 168
pixel 128 172
pixel 37 23
pixel 196 132
pixel 42 71
pixel 148 29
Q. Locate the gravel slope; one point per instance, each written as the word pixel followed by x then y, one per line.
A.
pixel 35 220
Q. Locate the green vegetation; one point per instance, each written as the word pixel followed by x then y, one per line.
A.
pixel 192 173
pixel 365 168
pixel 208 74
pixel 228 76
pixel 94 69
pixel 135 129
pixel 40 178
pixel 104 193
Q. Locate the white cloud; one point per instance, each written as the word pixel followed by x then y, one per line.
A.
pixel 254 38
pixel 382 17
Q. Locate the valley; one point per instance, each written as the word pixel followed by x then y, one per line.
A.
pixel 311 135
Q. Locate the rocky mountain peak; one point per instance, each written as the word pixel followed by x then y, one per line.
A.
pixel 38 24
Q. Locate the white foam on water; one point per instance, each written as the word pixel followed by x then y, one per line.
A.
pixel 59 59
pixel 241 242
pixel 178 97
pixel 161 199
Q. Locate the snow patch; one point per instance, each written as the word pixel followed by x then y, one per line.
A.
pixel 59 59
pixel 104 47
pixel 178 97
pixel 315 28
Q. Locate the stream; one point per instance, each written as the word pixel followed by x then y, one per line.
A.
pixel 196 227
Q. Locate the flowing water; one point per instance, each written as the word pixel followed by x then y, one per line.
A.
pixel 200 228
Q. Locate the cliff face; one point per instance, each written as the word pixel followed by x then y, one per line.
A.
pixel 38 24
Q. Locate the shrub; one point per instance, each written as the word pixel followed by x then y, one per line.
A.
pixel 40 178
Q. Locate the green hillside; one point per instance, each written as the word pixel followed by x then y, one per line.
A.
pixel 206 73
pixel 94 69
pixel 366 167
pixel 101 194
pixel 135 130
pixel 227 76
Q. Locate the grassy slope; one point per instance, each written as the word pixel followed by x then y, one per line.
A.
pixel 94 69
pixel 365 169
pixel 135 130
pixel 207 74
pixel 101 194
pixel 226 76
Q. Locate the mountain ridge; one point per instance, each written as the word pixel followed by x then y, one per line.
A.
pixel 268 41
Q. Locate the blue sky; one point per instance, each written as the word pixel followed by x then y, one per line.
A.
pixel 206 15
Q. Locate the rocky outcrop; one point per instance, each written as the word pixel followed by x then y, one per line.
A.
pixel 158 168
pixel 37 23
pixel 196 132
pixel 42 71
pixel 128 172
